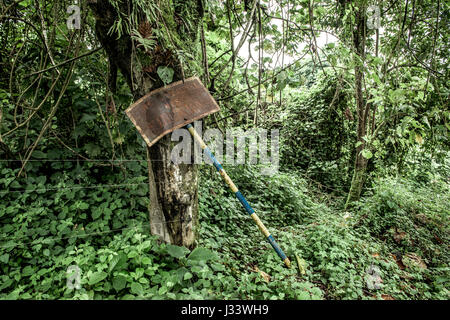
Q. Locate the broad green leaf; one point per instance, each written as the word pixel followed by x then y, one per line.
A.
pixel 118 262
pixel 421 95
pixel 367 154
pixel 119 283
pixel 28 270
pixel 4 258
pixel 136 288
pixel 15 184
pixel 202 254
pixel 87 117
pixel 38 154
pixel 96 277
pixel 92 149
pixel 97 212
pixel 176 251
pixel 83 206
pixel 166 74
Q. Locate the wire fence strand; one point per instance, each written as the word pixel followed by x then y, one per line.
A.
pixel 39 241
pixel 76 188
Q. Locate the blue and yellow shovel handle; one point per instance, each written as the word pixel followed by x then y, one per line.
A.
pixel 239 195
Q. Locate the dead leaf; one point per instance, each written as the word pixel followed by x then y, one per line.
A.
pixel 265 276
pixel 301 264
pixel 399 262
pixel 422 218
pixel 145 29
pixel 412 259
pixel 399 235
pixel 387 297
pixel 439 240
pixel 419 139
pixel 111 108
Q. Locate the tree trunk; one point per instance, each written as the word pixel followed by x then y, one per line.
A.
pixel 360 164
pixel 176 189
pixel 173 188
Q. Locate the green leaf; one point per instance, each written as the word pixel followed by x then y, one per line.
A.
pixel 15 184
pixel 83 206
pixel 28 270
pixel 421 95
pixel 6 284
pixel 176 251
pixel 303 295
pixel 202 254
pixel 367 154
pixel 88 117
pixel 96 213
pixel 96 277
pixel 119 283
pixel 92 149
pixel 41 179
pixel 39 154
pixel 136 288
pixel 425 119
pixel 4 258
pixel 118 262
pixel 165 73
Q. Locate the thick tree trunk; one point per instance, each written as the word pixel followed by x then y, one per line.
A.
pixel 173 188
pixel 360 164
pixel 176 188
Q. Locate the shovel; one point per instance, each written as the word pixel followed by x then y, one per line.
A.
pixel 176 106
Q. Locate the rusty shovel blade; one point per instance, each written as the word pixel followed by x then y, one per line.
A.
pixel 171 107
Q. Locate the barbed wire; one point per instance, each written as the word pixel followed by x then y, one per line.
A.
pixel 76 187
pixel 39 241
pixel 141 225
pixel 342 192
pixel 76 160
pixel 106 186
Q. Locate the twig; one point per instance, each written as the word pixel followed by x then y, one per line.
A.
pixel 65 62
pixel 52 113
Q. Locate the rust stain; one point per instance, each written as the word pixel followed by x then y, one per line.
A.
pixel 171 107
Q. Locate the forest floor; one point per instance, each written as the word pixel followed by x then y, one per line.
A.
pixel 392 245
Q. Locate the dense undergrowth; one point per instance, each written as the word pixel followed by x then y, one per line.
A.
pixel 398 229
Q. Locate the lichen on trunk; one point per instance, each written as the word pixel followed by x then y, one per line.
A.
pixel 356 187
